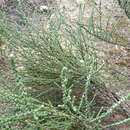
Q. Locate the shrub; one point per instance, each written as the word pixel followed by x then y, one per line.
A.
pixel 52 71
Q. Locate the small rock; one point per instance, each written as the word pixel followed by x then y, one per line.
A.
pixel 44 8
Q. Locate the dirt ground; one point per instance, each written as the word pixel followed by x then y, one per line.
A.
pixel 115 55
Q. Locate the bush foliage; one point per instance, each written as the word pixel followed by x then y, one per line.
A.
pixel 52 69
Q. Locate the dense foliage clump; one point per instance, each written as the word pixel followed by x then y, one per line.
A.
pixel 52 70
